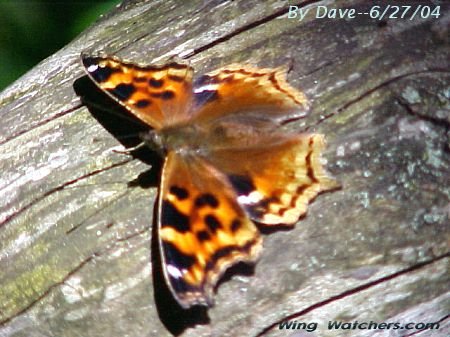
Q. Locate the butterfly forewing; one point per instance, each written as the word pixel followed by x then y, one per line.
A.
pixel 240 89
pixel 158 95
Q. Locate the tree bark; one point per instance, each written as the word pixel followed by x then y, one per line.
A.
pixel 76 217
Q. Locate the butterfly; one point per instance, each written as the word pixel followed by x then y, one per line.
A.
pixel 226 165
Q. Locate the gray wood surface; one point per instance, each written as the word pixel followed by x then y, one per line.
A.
pixel 76 216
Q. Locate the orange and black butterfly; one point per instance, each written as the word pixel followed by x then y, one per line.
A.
pixel 226 163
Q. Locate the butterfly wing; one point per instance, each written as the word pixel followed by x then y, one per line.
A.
pixel 276 179
pixel 240 89
pixel 202 229
pixel 157 95
pixel 274 175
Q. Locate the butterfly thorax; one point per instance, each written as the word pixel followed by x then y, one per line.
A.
pixel 182 139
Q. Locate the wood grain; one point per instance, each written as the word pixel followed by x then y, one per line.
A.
pixel 76 216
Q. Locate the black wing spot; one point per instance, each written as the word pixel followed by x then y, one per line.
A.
pixel 180 192
pixel 172 217
pixel 205 79
pixel 155 83
pixel 255 212
pixel 242 184
pixel 203 236
pixel 206 199
pixel 212 222
pixel 180 261
pixel 235 225
pixel 123 91
pixel 101 74
pixel 206 96
pixel 165 95
pixel 177 258
pixel 142 103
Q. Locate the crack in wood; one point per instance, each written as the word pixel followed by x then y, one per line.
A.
pixel 433 120
pixel 41 123
pixel 320 67
pixel 97 211
pixel 233 33
pixel 353 291
pixel 128 237
pixel 48 290
pixel 245 28
pixel 420 331
pixel 71 273
pixel 371 91
pixel 60 188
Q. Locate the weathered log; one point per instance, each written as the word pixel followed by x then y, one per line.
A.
pixel 76 216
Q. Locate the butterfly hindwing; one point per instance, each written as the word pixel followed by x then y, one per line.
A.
pixel 202 229
pixel 275 180
pixel 158 95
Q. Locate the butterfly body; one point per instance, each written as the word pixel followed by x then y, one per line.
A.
pixel 181 139
pixel 226 164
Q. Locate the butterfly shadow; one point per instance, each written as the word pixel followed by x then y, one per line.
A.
pixel 112 116
pixel 126 129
